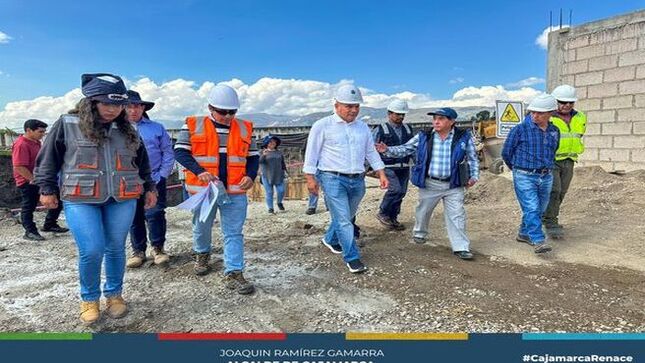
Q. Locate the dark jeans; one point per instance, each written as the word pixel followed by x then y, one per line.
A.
pixel 156 219
pixel 562 175
pixel 29 194
pixel 391 204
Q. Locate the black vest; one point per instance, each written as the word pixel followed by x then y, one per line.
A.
pixel 388 136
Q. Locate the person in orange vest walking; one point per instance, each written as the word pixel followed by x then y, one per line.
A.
pixel 219 147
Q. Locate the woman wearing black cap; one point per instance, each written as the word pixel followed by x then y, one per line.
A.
pixel 103 169
pixel 273 171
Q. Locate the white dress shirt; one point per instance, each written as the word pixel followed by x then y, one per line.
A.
pixel 336 145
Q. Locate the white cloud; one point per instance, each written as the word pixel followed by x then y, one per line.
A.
pixel 456 80
pixel 179 98
pixel 531 81
pixel 543 39
pixel 4 38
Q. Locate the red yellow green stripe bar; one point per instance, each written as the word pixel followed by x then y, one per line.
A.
pixel 45 336
pixel 405 336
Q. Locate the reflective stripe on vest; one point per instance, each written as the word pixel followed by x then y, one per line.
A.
pixel 571 145
pixel 205 149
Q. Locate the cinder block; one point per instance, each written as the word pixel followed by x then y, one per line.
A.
pixel 568 80
pixel 602 90
pixel 590 51
pixel 590 154
pixel 621 46
pixel 601 116
pixel 589 104
pixel 620 74
pixel 575 67
pixel 577 42
pixel 640 71
pixel 582 92
pixel 599 141
pixel 641 42
pixel 604 62
pixel 640 100
pixel 621 128
pixel 607 165
pixel 617 102
pixel 631 58
pixel 593 129
pixel 632 87
pixel 631 114
pixel 629 166
pixel 629 142
pixel 586 79
pixel 638 156
pixel 569 55
pixel 614 155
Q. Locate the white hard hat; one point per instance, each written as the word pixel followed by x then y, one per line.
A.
pixel 398 106
pixel 348 94
pixel 565 93
pixel 224 97
pixel 543 103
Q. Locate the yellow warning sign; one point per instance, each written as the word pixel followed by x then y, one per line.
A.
pixel 510 115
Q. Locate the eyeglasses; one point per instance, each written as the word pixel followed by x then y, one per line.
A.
pixel 566 102
pixel 225 112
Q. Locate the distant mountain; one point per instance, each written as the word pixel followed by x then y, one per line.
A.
pixel 368 114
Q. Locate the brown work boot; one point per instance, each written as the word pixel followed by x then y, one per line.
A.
pixel 137 259
pixel 116 307
pixel 89 312
pixel 160 256
pixel 201 263
pixel 235 281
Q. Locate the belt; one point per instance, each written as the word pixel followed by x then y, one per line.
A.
pixel 352 176
pixel 535 171
pixel 440 179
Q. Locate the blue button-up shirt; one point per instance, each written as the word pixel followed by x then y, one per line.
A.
pixel 159 147
pixel 529 147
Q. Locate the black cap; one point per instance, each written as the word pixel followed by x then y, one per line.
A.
pixel 104 87
pixel 135 98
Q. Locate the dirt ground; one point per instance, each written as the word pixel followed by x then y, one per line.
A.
pixel 593 281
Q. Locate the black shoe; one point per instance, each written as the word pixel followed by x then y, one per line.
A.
pixel 337 249
pixel 310 211
pixel 356 266
pixel 385 220
pixel 235 281
pixel 55 228
pixel 523 238
pixel 271 211
pixel 464 255
pixel 419 240
pixel 280 206
pixel 397 225
pixel 33 236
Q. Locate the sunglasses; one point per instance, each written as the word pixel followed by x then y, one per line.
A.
pixel 225 112
pixel 566 102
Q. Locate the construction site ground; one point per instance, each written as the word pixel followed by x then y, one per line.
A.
pixel 593 281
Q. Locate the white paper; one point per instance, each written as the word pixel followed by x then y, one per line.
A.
pixel 204 201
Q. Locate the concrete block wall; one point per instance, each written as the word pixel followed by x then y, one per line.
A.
pixel 605 61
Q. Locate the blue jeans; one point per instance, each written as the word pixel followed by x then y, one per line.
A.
pixel 391 204
pixel 156 219
pixel 342 195
pixel 313 201
pixel 533 192
pixel 100 230
pixel 232 218
pixel 268 191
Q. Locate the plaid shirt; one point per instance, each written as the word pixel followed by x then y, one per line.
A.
pixel 529 147
pixel 441 149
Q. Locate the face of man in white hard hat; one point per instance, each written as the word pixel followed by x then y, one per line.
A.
pixel 565 107
pixel 347 111
pixel 395 118
pixel 222 116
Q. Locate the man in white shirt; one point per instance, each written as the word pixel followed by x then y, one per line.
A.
pixel 337 148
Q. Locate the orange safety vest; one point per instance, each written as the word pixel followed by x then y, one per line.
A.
pixel 204 143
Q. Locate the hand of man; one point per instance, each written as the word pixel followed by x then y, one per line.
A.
pixel 206 177
pixel 265 151
pixel 383 179
pixel 471 182
pixel 246 183
pixel 49 201
pixel 151 200
pixel 380 147
pixel 312 184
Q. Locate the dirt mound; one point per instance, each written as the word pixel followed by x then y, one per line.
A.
pixel 491 189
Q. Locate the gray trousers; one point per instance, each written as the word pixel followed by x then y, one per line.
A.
pixel 454 212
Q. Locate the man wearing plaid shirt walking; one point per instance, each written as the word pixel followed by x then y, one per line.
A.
pixel 446 163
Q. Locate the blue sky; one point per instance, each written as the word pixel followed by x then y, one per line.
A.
pixel 427 47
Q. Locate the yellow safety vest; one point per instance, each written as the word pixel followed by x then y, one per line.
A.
pixel 571 145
